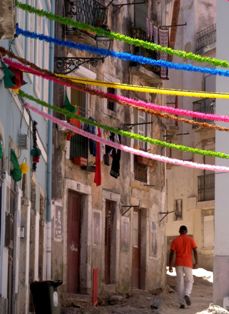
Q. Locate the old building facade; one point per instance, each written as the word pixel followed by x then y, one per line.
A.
pixel 114 227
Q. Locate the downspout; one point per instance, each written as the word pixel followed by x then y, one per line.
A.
pixel 49 161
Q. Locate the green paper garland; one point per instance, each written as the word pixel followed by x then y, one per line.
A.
pixel 126 133
pixel 16 171
pixel 121 37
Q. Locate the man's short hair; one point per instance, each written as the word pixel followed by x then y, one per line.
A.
pixel 183 229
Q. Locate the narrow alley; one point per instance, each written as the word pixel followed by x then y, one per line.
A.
pixel 140 301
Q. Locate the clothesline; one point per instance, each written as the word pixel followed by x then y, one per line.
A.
pixel 127 149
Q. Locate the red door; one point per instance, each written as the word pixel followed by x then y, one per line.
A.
pixel 109 220
pixel 73 241
pixel 136 250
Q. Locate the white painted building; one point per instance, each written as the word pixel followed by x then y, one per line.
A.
pixel 190 192
pixel 221 255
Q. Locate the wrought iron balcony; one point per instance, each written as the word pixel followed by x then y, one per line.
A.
pixel 205 105
pixel 206 39
pixel 206 187
pixel 141 34
pixel 87 11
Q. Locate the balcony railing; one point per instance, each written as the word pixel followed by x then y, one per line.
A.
pixel 87 11
pixel 206 39
pixel 205 105
pixel 141 34
pixel 206 187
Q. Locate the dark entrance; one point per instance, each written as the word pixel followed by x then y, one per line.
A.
pixel 73 241
pixel 136 250
pixel 110 242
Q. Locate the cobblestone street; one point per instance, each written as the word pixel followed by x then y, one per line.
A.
pixel 140 302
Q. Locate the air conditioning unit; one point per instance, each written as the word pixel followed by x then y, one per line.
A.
pixel 22 141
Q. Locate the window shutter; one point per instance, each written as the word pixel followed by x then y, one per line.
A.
pixel 79 146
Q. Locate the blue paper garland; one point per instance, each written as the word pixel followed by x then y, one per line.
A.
pixel 122 55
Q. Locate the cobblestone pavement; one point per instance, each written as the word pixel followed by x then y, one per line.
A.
pixel 140 301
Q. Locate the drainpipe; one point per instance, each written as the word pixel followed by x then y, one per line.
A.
pixel 49 161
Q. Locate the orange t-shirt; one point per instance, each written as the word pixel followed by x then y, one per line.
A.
pixel 183 246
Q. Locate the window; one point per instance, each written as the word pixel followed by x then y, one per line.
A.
pixel 78 143
pixel 79 100
pixel 205 106
pixel 140 170
pixel 143 128
pixel 206 187
pixel 111 105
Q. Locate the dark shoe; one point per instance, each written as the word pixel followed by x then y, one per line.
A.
pixel 187 300
pixel 182 306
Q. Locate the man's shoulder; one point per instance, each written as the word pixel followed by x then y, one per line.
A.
pixel 176 240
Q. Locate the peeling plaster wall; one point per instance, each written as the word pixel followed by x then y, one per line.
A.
pixel 123 191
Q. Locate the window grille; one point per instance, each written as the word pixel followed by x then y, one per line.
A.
pixel 206 187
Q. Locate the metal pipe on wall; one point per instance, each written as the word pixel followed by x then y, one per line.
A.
pixel 49 162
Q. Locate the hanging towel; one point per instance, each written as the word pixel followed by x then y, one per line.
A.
pixel 115 154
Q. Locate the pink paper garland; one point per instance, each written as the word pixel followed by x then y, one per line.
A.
pixel 136 103
pixel 127 149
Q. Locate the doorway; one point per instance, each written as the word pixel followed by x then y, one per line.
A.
pixel 74 219
pixel 136 250
pixel 110 242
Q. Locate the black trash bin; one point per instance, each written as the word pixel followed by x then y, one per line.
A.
pixel 45 296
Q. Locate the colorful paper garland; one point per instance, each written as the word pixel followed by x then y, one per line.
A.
pixel 123 132
pixel 127 149
pixel 121 37
pixel 121 55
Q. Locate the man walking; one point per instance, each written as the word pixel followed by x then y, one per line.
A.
pixel 183 247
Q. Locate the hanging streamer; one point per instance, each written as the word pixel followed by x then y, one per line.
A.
pixel 121 55
pixel 127 149
pixel 139 104
pixel 123 132
pixel 66 82
pixel 121 37
pixel 146 89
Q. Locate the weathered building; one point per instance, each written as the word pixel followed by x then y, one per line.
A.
pixel 190 192
pixel 113 227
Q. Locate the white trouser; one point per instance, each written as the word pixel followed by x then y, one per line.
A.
pixel 184 282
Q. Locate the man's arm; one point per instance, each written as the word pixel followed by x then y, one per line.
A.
pixel 195 257
pixel 171 254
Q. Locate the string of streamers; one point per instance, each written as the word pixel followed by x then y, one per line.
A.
pixel 146 89
pixel 127 149
pixel 65 82
pixel 135 103
pixel 121 55
pixel 123 132
pixel 122 37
